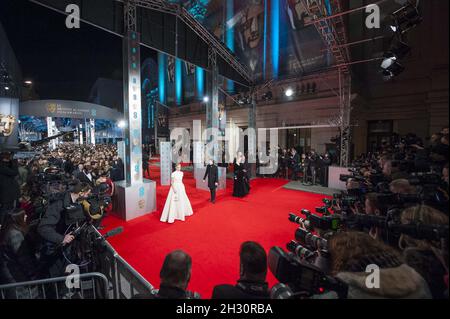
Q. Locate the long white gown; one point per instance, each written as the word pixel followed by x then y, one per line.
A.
pixel 177 205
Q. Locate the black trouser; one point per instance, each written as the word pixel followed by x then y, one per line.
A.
pixel 213 194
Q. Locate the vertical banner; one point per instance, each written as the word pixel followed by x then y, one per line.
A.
pixel 50 129
pixel 92 130
pixel 121 153
pixel 132 107
pixel 165 151
pixel 80 135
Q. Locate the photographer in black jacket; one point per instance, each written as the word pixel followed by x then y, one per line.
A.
pixel 252 283
pixel 59 215
pixel 175 276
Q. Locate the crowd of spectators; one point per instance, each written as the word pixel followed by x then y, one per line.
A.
pixel 36 194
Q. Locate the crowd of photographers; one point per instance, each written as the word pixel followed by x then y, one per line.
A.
pixel 386 236
pixel 46 199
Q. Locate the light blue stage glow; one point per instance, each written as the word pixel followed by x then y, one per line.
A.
pixel 162 77
pixel 230 37
pixel 200 77
pixel 328 6
pixel 275 36
pixel 265 38
pixel 178 82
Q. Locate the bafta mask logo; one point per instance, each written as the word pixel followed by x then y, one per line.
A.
pixel 51 107
pixel 7 125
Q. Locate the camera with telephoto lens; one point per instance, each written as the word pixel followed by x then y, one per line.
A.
pixel 312 221
pixel 327 202
pixel 94 204
pixel 393 225
pixel 299 250
pixel 310 240
pixel 323 210
pixel 346 177
pixel 300 279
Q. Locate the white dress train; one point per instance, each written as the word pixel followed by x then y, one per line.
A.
pixel 177 205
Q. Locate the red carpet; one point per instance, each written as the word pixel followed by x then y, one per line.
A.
pixel 212 236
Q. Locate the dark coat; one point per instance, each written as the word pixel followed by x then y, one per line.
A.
pixel 212 172
pixel 9 187
pixel 57 218
pixel 243 290
pixel 18 262
pixel 296 162
pixel 82 177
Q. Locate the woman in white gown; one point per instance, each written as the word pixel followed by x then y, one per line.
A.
pixel 177 205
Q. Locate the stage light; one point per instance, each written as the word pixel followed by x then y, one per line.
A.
pixel 267 96
pixel 393 70
pixel 206 99
pixel 289 92
pixel 406 18
pixel 28 82
pixel 399 49
pixel 389 60
pixel 121 124
pixel 6 88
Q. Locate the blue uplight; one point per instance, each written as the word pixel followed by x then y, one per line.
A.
pixel 265 38
pixel 275 35
pixel 230 36
pixel 200 78
pixel 178 82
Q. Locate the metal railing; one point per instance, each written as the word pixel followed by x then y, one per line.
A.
pixel 87 286
pixel 113 278
pixel 125 281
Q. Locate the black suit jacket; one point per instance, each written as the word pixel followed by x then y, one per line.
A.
pixel 243 290
pixel 81 176
pixel 9 187
pixel 212 172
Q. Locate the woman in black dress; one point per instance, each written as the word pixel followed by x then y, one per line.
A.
pixel 241 185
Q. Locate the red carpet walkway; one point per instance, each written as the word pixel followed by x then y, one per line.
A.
pixel 212 236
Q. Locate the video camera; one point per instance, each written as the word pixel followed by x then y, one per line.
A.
pixel 300 279
pixel 312 221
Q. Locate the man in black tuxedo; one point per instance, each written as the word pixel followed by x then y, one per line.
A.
pixel 253 271
pixel 85 176
pixel 212 172
pixel 295 162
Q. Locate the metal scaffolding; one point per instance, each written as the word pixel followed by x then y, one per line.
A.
pixel 345 98
pixel 332 31
pixel 181 13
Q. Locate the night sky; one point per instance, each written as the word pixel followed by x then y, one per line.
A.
pixel 63 63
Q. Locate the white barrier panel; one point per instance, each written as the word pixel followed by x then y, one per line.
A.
pixel 333 177
pixel 165 151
